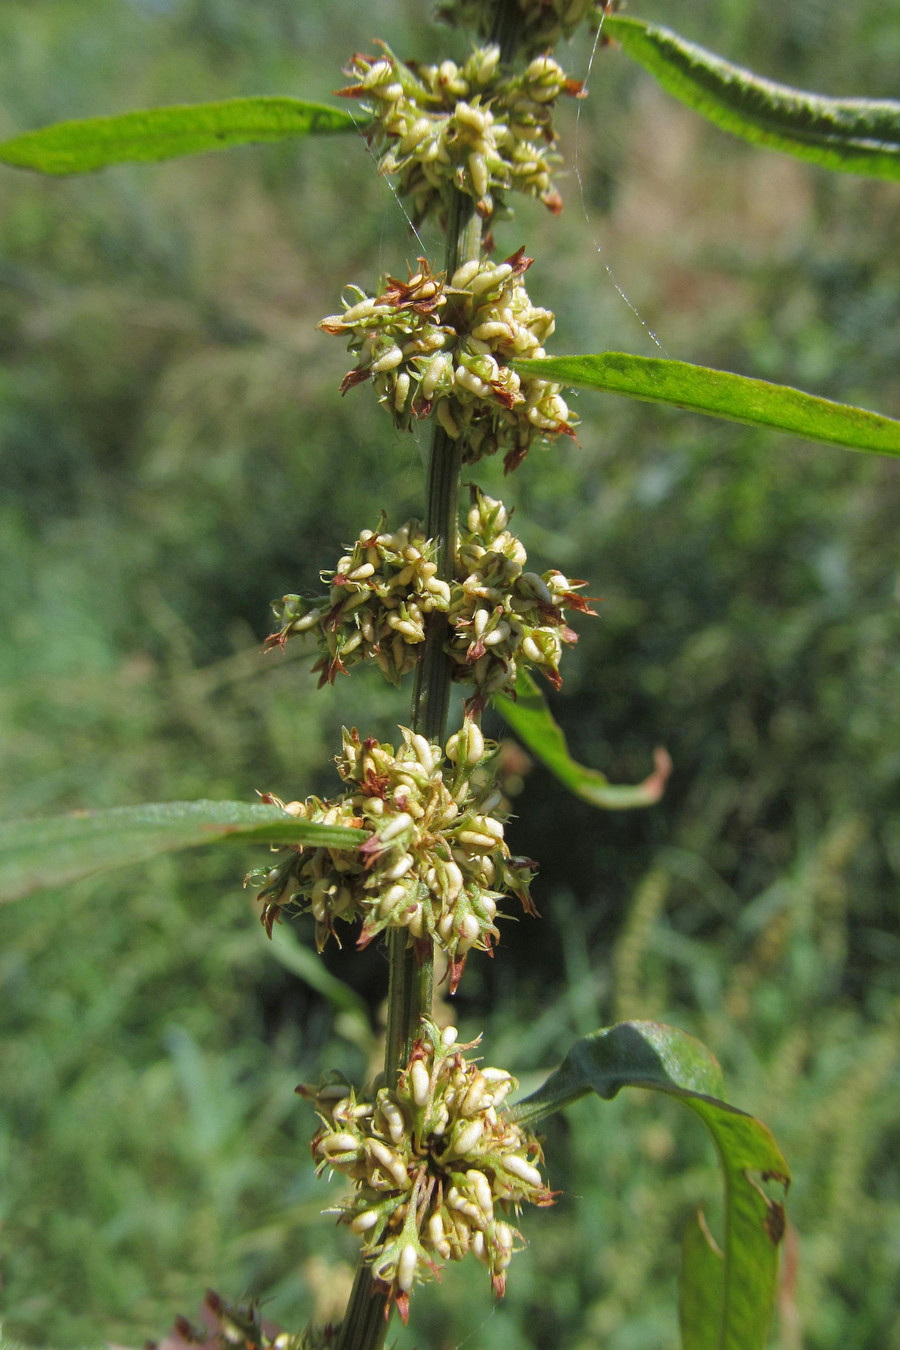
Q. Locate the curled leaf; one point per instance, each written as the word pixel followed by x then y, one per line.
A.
pixel 853 135
pixel 533 723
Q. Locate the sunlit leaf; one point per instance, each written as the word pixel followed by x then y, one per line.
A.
pixel 856 135
pixel 718 393
pixel 735 1313
pixel 700 1288
pixel 534 724
pixel 36 854
pixel 167 133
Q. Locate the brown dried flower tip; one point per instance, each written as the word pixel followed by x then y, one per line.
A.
pixel 455 357
pixel 473 128
pixel 436 862
pixel 436 1165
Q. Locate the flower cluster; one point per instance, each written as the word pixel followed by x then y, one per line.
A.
pixel 501 617
pixel 437 1169
pixel 448 349
pixel 542 22
pixel 471 128
pixel 381 593
pixel 435 862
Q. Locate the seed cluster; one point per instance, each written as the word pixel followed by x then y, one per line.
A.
pixel 380 594
pixel 436 862
pixel 432 347
pixel 542 22
pixel 437 1169
pixel 501 617
pixel 471 128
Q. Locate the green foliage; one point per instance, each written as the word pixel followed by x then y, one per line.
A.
pixel 727 1305
pixel 38 854
pixel 719 393
pixel 156 364
pixel 855 135
pixel 530 718
pixel 168 133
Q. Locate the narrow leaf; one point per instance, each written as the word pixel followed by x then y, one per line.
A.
pixel 648 1055
pixel 166 133
pixel 855 135
pixel 533 723
pixel 701 1287
pixel 35 854
pixel 718 393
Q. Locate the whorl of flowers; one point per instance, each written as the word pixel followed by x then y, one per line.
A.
pixel 437 1169
pixel 381 592
pixel 435 863
pixel 501 617
pixel 473 128
pixel 541 26
pixel 429 346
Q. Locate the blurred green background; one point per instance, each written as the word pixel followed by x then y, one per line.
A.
pixel 174 453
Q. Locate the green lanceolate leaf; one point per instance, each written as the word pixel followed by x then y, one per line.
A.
pixel 856 135
pixel 734 1311
pixel 700 1286
pixel 35 854
pixel 166 133
pixel 718 393
pixel 533 723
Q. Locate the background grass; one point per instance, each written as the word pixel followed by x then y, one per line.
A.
pixel 175 453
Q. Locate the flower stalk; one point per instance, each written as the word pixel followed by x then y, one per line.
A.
pixel 411 978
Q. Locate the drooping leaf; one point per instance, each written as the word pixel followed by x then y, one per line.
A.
pixel 719 393
pixel 35 854
pixel 533 723
pixel 166 133
pixel 855 135
pixel 700 1288
pixel 735 1313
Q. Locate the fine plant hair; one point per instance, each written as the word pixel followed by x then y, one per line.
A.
pixel 409 848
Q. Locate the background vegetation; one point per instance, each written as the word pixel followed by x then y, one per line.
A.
pixel 175 453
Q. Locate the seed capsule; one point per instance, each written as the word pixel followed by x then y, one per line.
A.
pixel 518 1167
pixel 402 821
pixel 469 930
pixel 420 1083
pixel 338 1143
pixel 392 897
pixel 436 1234
pixel 389 361
pixel 424 753
pixel 469 1137
pixel 406 1268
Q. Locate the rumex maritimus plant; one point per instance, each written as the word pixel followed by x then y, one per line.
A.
pixel 468 408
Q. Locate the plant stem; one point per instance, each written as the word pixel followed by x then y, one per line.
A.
pixel 411 973
pixel 507 28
